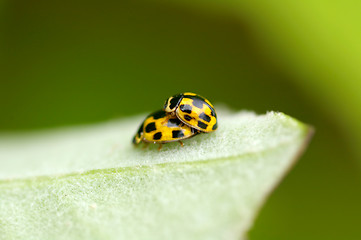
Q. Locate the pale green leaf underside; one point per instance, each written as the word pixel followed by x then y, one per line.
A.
pixel 90 183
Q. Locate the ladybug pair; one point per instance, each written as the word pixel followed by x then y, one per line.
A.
pixel 183 116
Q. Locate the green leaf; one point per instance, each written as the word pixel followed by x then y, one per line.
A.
pixel 90 183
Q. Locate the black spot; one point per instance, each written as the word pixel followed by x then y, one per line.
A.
pixel 205 117
pixel 187 117
pixel 174 101
pixel 173 122
pixel 157 136
pixel 198 103
pixel 150 127
pixel 158 114
pixel 215 126
pixel 186 108
pixel 202 125
pixel 177 134
pixel 213 113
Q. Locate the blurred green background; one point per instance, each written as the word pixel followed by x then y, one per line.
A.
pixel 78 62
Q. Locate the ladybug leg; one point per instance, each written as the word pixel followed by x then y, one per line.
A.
pixel 181 143
pixel 145 145
pixel 160 146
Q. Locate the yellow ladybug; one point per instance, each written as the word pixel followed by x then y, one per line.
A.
pixel 194 110
pixel 160 127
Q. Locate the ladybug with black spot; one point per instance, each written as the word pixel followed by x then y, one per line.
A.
pixel 193 110
pixel 160 127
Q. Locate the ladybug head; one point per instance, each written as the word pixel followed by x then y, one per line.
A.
pixel 136 140
pixel 172 103
pixel 138 136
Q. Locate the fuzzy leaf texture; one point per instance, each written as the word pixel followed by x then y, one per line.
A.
pixel 91 183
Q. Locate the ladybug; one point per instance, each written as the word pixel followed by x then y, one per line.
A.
pixel 194 110
pixel 160 127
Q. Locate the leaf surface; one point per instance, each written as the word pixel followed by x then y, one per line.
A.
pixel 91 183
